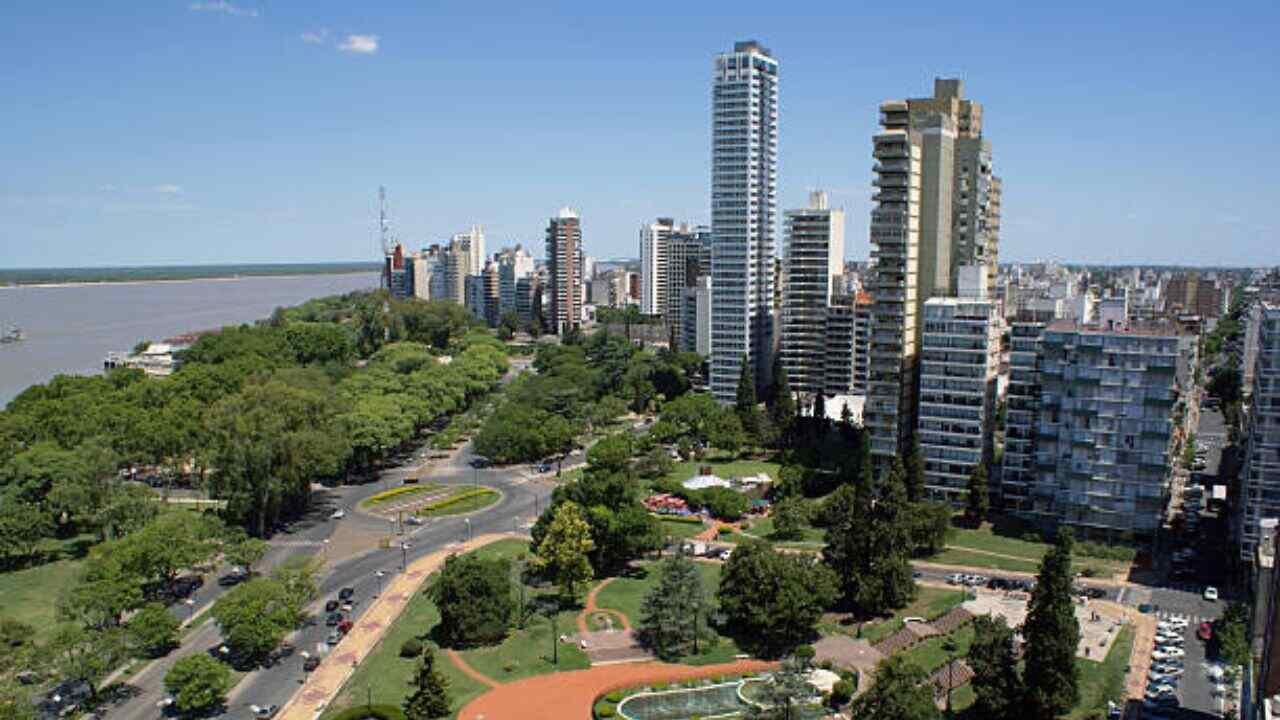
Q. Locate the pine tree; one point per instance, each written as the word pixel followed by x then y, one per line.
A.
pixel 673 615
pixel 1052 634
pixel 996 684
pixel 868 544
pixel 746 402
pixel 782 407
pixel 914 469
pixel 978 496
pixel 787 691
pixel 430 698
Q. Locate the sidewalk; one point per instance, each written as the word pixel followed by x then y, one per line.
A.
pixel 323 685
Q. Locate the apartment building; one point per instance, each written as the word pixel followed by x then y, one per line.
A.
pixel 959 361
pixel 1260 478
pixel 1106 426
pixel 564 267
pixel 744 177
pixel 813 263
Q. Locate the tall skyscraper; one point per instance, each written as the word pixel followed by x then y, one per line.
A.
pixel 564 267
pixel 513 264
pixel 937 211
pixel 655 268
pixel 744 175
pixel 814 261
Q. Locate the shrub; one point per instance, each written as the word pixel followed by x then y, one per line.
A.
pixel 411 648
pixel 605 709
pixel 614 697
pixel 841 693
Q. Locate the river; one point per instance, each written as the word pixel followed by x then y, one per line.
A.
pixel 71 328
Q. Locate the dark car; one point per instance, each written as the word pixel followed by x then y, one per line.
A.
pixel 1148 608
pixel 346 593
pixel 183 587
pixel 1094 593
pixel 333 619
pixel 479 462
pixel 63 697
pixel 311 663
pixel 331 606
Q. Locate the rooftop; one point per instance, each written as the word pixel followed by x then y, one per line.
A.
pixel 1142 329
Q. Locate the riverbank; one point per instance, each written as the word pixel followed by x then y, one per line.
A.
pixel 140 275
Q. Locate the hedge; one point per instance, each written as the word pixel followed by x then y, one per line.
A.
pixel 360 712
pixel 687 519
pixel 396 492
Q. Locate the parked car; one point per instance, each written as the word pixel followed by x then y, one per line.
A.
pixel 479 462
pixel 1211 594
pixel 345 626
pixel 1168 652
pixel 338 514
pixel 1205 632
pixel 264 711
pixel 413 520
pixel 1148 608
pixel 334 638
pixel 331 606
pixel 333 619
pixel 346 593
pixel 955 579
pixel 311 663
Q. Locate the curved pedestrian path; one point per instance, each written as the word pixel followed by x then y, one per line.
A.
pixel 570 695
pixel 591 608
pixel 471 672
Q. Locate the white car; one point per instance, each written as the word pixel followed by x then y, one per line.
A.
pixel 338 514
pixel 1168 652
pixel 955 579
pixel 1211 594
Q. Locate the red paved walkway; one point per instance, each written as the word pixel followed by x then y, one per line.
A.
pixel 471 672
pixel 591 607
pixel 570 695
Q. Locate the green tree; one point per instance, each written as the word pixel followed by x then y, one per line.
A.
pixel 23 525
pixel 977 496
pixel 167 545
pixel 913 471
pixel 562 553
pixel 430 696
pixel 1052 634
pixel 87 654
pixel 869 543
pixel 673 615
pixel 474 599
pixel 198 683
pixel 787 692
pixel 296 577
pixel 255 616
pixel 746 404
pixel 103 592
pixel 245 551
pixel 1232 634
pixel 1189 452
pixel 773 600
pixel 782 406
pixel 929 526
pixel 790 518
pixel 152 631
pixel 996 685
pixel 899 692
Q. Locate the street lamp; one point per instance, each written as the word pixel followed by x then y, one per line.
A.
pixel 468 522
pixel 324 547
pixel 950 647
pixel 378 574
pixel 191 608
pixel 404 556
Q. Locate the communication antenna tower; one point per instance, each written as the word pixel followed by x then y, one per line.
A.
pixel 384 225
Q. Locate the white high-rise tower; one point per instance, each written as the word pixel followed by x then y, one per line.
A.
pixel 744 177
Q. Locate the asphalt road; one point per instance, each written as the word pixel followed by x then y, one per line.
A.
pixel 274 685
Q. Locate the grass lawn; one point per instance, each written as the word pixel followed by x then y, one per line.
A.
pixel 986 540
pixel 764 528
pixel 528 652
pixel 724 467
pixel 387 675
pixel 1100 682
pixel 930 603
pixel 30 595
pixel 680 530
pixel 929 654
pixel 625 594
pixel 981 560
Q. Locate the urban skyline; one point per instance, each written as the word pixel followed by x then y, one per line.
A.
pixel 150 196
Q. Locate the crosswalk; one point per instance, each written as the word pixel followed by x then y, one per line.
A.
pixel 1193 620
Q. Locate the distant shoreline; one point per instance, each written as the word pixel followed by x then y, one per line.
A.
pixel 56 277
pixel 174 281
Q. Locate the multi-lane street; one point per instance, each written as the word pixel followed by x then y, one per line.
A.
pixel 522 494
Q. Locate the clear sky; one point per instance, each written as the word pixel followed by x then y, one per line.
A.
pixel 242 130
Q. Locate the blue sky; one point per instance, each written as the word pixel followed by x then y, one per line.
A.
pixel 218 131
